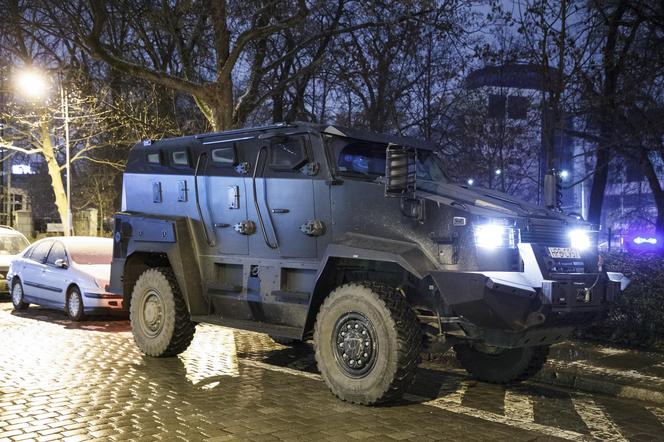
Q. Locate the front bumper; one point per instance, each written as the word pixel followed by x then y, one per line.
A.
pixel 99 301
pixel 506 301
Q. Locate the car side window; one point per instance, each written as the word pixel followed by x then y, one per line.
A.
pixel 288 155
pixel 40 251
pixel 57 252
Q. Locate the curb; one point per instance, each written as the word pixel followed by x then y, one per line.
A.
pixel 586 378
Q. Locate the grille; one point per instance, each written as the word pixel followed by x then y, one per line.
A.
pixel 551 234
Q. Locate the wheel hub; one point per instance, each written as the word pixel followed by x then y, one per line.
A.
pixel 73 304
pixel 152 313
pixel 355 345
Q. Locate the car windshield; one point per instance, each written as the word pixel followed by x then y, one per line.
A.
pixel 12 244
pixel 364 159
pixel 92 252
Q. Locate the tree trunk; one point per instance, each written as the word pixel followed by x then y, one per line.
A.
pixel 54 173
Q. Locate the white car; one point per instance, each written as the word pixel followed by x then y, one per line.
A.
pixel 12 242
pixel 65 272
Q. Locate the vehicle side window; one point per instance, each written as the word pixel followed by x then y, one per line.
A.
pixel 362 159
pixel 224 156
pixel 57 252
pixel 288 155
pixel 40 251
pixel 180 158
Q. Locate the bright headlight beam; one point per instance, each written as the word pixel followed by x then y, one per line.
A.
pixel 489 236
pixel 580 239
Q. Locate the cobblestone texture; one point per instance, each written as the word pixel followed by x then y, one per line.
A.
pixel 87 381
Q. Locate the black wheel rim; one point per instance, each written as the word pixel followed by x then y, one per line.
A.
pixel 354 344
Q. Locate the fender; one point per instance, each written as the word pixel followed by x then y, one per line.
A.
pixel 407 255
pixel 152 241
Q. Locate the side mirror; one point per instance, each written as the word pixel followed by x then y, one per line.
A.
pixel 400 171
pixel 61 264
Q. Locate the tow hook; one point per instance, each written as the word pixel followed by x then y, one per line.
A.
pixel 584 295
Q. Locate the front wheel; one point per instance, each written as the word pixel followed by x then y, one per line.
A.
pixel 74 305
pixel 158 314
pixel 17 297
pixel 367 341
pixel 501 366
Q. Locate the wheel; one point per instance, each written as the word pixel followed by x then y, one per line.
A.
pixel 367 341
pixel 501 366
pixel 74 304
pixel 158 314
pixel 17 296
pixel 288 342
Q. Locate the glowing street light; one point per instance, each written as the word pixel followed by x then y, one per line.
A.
pixel 498 171
pixel 470 181
pixel 564 174
pixel 31 84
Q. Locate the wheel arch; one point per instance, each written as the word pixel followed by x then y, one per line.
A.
pixel 402 264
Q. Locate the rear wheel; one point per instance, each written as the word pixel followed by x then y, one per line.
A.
pixel 17 296
pixel 367 341
pixel 74 304
pixel 501 366
pixel 159 318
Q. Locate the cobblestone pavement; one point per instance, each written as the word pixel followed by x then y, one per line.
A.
pixel 81 381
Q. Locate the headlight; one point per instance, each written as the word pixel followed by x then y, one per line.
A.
pixel 580 239
pixel 493 236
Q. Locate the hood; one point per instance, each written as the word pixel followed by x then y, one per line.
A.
pixel 100 272
pixel 485 202
pixel 5 260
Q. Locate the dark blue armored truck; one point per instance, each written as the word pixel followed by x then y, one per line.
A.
pixel 355 240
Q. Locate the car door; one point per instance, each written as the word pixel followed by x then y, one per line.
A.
pixel 31 273
pixel 226 196
pixel 54 279
pixel 285 199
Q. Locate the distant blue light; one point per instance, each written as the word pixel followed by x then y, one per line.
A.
pixel 641 240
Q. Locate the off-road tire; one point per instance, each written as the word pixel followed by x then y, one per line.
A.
pixel 80 313
pixel 508 366
pixel 397 344
pixel 174 332
pixel 288 342
pixel 17 298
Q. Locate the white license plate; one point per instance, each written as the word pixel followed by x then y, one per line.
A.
pixel 564 252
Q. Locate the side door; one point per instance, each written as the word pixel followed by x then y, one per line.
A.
pixel 55 279
pixel 226 195
pixel 31 274
pixel 285 199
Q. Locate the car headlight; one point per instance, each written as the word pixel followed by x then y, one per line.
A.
pixel 493 236
pixel 580 239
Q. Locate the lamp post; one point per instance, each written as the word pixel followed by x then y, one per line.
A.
pixel 34 86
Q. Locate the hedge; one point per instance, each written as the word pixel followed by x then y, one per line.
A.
pixel 637 319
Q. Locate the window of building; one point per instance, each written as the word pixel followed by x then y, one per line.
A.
pixel 154 158
pixel 180 158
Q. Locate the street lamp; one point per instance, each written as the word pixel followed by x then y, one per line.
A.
pixel 470 181
pixel 33 85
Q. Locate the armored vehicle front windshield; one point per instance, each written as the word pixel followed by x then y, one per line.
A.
pixel 363 159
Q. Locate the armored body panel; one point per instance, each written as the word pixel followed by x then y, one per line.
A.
pixel 261 227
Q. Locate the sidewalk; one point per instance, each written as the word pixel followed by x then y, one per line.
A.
pixel 597 368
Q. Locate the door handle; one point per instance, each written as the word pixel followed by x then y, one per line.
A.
pixel 221 225
pixel 280 210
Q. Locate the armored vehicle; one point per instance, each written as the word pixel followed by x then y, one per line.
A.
pixel 355 240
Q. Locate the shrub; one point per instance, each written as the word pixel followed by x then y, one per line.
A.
pixel 637 319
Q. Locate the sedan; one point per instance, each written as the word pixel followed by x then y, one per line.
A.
pixel 65 272
pixel 12 242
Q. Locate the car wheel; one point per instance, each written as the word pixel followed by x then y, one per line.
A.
pixel 74 304
pixel 158 314
pixel 17 296
pixel 501 366
pixel 367 340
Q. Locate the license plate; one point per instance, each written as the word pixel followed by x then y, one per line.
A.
pixel 564 252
